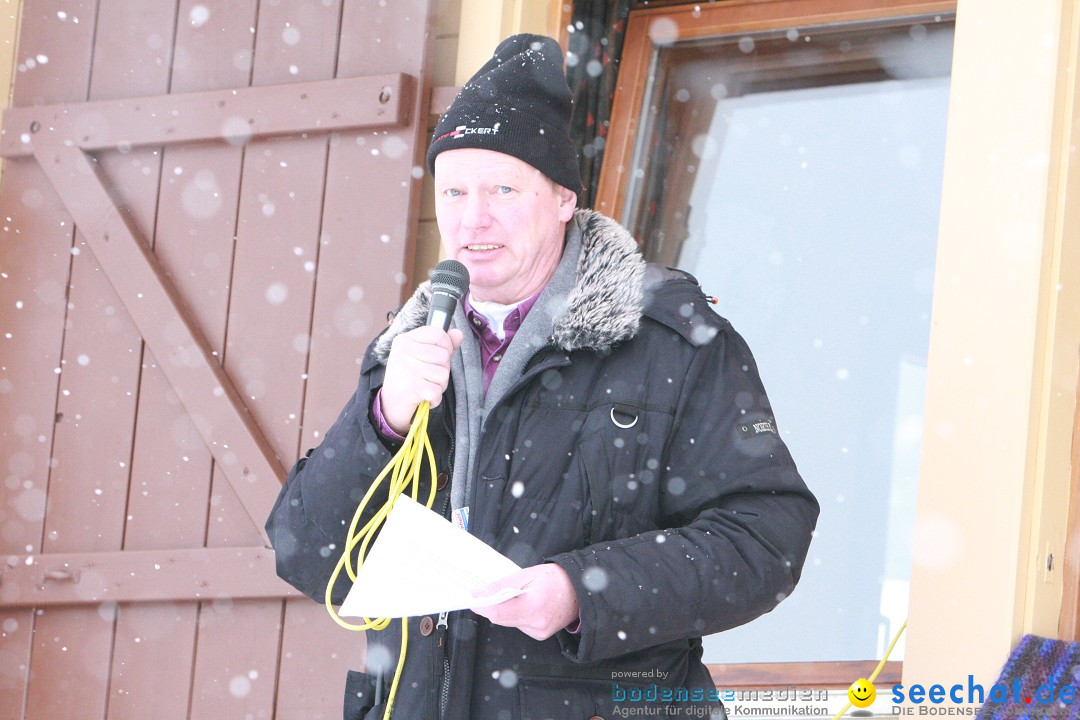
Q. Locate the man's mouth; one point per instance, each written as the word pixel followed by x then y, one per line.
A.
pixel 482 247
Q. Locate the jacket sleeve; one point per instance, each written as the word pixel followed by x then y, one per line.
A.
pixel 738 520
pixel 311 517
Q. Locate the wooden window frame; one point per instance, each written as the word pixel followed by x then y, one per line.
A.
pixel 697 22
pixel 1069 616
pixel 700 21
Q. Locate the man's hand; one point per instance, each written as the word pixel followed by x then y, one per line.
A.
pixel 417 369
pixel 548 604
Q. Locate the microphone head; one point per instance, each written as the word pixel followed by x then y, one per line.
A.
pixel 450 277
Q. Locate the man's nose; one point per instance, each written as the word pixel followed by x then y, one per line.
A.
pixel 476 213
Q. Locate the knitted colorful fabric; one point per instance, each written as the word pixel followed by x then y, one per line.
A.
pixel 1040 680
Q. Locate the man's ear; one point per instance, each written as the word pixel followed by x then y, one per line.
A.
pixel 567 202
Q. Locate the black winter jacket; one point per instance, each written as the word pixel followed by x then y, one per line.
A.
pixel 638 451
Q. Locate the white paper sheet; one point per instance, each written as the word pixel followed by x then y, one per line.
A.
pixel 421 564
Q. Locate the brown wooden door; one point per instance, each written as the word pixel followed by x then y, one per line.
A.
pixel 207 209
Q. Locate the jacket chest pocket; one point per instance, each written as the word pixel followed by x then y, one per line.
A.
pixel 621 462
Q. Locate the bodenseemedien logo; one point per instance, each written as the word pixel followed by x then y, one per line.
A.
pixel 642 699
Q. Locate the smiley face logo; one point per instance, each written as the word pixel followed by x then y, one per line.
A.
pixel 862 693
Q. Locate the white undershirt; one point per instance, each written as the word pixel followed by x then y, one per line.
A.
pixel 495 313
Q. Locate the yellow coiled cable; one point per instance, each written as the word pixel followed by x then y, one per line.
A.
pixel 404 473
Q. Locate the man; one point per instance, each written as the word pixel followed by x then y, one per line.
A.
pixel 592 419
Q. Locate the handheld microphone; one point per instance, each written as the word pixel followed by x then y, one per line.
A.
pixel 449 283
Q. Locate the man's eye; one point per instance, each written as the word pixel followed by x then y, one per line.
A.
pixel 504 189
pixel 451 192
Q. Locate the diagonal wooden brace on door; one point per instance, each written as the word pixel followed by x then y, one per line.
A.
pixel 184 355
pixel 59 138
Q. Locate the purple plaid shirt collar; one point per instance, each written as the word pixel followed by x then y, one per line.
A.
pixel 491 348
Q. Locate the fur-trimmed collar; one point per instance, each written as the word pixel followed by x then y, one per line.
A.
pixel 603 309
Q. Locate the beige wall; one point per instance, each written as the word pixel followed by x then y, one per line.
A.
pixel 490 21
pixel 1003 351
pixel 443 64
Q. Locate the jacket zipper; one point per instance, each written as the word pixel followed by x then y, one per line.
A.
pixel 450 462
pixel 449 434
pixel 444 694
pixel 441 625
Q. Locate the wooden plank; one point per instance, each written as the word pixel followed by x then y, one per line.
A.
pixel 35 259
pixel 235 116
pixel 35 262
pixel 35 256
pixel 63 33
pixel 43 250
pixel 314 658
pixel 90 578
pixel 215 43
pixel 276 252
pixel 374 239
pixel 364 265
pixel 88 486
pixel 194 245
pixel 69 663
pixel 201 384
pixel 169 496
pixel 99 385
pixel 102 347
pixel 16 639
pixel 153 647
pixel 277 246
pixel 96 410
pixel 236 660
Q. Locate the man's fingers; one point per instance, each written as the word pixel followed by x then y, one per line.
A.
pixel 499 612
pixel 456 336
pixel 435 353
pixel 427 335
pixel 547 604
pixel 418 370
pixel 508 613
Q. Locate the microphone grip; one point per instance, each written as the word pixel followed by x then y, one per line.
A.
pixel 441 311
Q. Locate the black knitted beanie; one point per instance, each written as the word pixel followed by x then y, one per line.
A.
pixel 519 104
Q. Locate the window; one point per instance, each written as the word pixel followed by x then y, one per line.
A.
pixel 793 164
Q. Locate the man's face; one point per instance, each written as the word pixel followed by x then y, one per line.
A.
pixel 503 219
